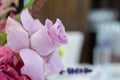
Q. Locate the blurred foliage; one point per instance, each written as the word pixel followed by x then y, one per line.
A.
pixel 3 38
pixel 62 51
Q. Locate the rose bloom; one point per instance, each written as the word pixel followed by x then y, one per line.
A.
pixel 38 44
pixel 10 65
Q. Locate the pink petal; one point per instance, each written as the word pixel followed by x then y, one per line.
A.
pixel 33 64
pixel 48 23
pixel 59 30
pixel 53 63
pixel 36 26
pixel 3 76
pixel 41 42
pixel 11 23
pixel 58 27
pixel 26 20
pixel 17 38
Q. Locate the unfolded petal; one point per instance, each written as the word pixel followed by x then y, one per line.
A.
pixel 17 38
pixel 11 23
pixel 36 26
pixel 41 42
pixel 33 64
pixel 26 20
pixel 53 63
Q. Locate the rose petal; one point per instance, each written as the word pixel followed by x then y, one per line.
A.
pixel 59 27
pixel 60 31
pixel 48 23
pixel 52 31
pixel 11 23
pixel 41 42
pixel 36 26
pixel 17 38
pixel 53 63
pixel 57 33
pixel 3 76
pixel 26 20
pixel 33 64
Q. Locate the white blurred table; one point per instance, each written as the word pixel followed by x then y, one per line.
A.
pixel 100 72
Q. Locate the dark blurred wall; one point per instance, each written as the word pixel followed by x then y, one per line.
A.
pixel 71 12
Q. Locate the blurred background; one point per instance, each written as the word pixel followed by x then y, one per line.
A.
pixel 96 20
pixel 93 28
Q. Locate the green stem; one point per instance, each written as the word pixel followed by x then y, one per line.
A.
pixel 27 6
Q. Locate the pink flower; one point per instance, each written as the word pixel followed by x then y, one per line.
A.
pixel 5 53
pixel 10 65
pixel 4 7
pixel 37 44
pixel 2 25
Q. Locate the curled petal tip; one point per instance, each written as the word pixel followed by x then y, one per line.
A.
pixel 48 23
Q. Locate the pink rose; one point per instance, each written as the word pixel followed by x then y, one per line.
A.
pixel 37 44
pixel 2 25
pixel 6 52
pixel 10 65
pixel 52 36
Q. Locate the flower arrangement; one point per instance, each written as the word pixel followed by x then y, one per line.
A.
pixel 28 48
pixel 31 49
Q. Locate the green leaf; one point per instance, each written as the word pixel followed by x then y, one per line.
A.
pixel 3 38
